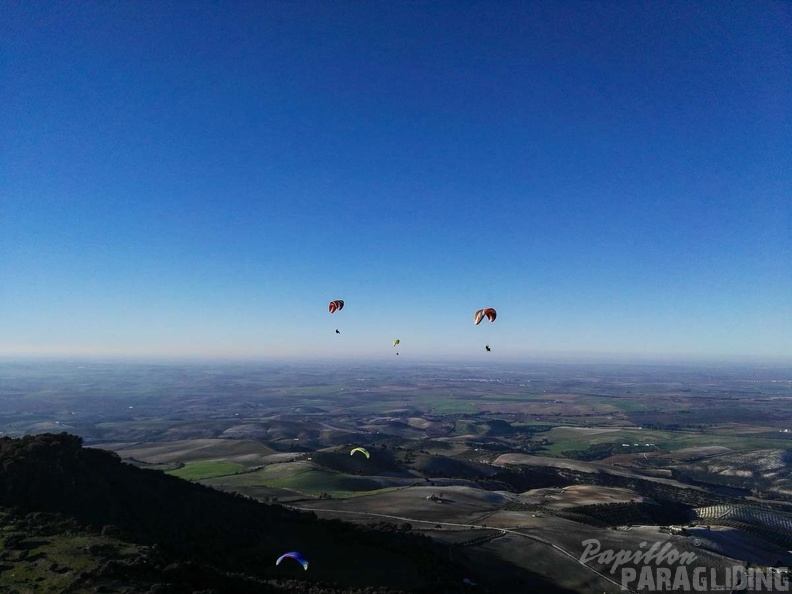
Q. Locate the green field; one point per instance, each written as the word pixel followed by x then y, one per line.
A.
pixel 452 406
pixel 193 471
pixel 300 477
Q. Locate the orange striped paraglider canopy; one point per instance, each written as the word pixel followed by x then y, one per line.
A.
pixel 336 305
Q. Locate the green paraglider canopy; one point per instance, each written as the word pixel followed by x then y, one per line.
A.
pixel 361 450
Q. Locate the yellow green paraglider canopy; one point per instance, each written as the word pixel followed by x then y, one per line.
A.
pixel 361 450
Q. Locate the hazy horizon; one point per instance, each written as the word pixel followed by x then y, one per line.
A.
pixel 560 359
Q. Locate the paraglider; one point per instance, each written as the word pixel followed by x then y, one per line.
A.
pixel 361 450
pixel 490 314
pixel 335 306
pixel 397 341
pixel 296 556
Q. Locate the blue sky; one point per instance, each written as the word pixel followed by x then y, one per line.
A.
pixel 202 178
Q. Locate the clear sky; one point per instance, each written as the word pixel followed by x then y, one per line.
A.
pixel 202 178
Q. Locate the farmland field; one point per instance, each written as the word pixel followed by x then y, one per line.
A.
pixel 205 469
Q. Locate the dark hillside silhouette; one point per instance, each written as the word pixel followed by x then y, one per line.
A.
pixel 209 539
